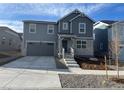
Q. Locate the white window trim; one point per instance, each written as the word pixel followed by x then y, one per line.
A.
pixel 84 28
pixel 66 25
pixel 81 44
pixel 71 27
pixel 48 29
pixel 30 28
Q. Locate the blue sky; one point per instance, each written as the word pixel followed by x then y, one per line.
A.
pixel 12 14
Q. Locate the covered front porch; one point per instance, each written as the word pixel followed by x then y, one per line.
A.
pixel 66 45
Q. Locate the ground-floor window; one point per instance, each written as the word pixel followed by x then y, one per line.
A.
pixel 81 44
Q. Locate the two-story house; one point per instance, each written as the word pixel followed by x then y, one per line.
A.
pixel 73 31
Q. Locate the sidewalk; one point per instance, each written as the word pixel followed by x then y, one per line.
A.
pixel 94 72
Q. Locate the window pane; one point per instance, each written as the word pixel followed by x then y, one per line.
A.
pixel 78 42
pixel 81 30
pixel 84 46
pixel 65 26
pixel 50 31
pixel 32 30
pixel 82 26
pixel 32 27
pixel 83 42
pixel 78 46
pixel 50 43
pixel 10 42
pixel 50 28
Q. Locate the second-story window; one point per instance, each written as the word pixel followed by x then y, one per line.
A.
pixel 50 29
pixel 32 28
pixel 65 26
pixel 82 28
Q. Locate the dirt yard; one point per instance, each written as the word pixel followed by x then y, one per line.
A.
pixel 3 56
pixel 8 56
pixel 85 63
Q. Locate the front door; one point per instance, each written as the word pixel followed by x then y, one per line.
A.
pixel 64 45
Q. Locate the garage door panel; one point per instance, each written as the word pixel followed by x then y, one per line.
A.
pixel 40 49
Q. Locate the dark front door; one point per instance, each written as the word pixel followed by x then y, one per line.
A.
pixel 64 45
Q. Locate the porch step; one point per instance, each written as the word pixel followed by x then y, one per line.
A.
pixel 69 59
pixel 72 65
pixel 68 56
pixel 71 62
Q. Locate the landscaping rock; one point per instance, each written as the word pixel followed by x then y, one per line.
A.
pixel 87 81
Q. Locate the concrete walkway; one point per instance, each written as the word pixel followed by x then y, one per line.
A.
pixel 30 73
pixel 38 73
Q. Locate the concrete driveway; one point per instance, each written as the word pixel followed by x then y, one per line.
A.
pixel 30 73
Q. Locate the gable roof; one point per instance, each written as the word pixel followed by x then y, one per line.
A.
pixel 76 11
pixel 108 21
pixel 48 22
pixel 4 28
pixel 21 35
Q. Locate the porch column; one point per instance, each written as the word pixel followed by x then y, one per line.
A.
pixel 72 42
pixel 59 46
pixel 73 47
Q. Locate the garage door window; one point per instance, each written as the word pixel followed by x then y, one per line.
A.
pixel 50 43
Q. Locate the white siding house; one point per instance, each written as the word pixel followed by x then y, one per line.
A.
pixel 119 28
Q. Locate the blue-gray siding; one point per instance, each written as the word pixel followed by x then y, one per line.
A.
pixel 89 27
pixel 41 34
pixel 101 37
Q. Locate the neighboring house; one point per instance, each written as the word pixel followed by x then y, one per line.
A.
pixel 101 37
pixel 9 39
pixel 73 31
pixel 21 35
pixel 119 28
